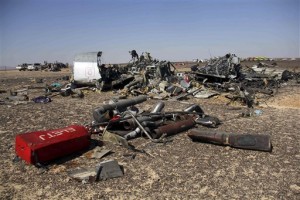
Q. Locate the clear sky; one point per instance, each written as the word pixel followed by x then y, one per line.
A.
pixel 38 30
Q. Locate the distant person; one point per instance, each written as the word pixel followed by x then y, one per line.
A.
pixel 99 58
pixel 134 55
pixel 142 58
pixel 148 57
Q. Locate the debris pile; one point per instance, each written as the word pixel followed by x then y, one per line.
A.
pixel 124 119
pixel 223 68
pixel 120 121
pixel 227 75
pixel 144 75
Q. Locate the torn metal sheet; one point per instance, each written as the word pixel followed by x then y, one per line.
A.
pixel 271 72
pixel 204 94
pixel 83 174
pixel 115 139
pixel 99 152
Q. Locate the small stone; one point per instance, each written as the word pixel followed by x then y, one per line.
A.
pixel 227 148
pixel 295 188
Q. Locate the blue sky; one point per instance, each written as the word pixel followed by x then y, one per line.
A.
pixel 38 30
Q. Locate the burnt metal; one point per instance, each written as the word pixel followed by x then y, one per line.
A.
pixel 174 128
pixel 112 77
pixel 166 115
pixel 135 83
pixel 158 107
pixel 220 69
pixel 225 74
pixel 132 134
pixel 145 131
pixel 182 96
pixel 151 124
pixel 131 124
pixel 242 141
pixel 100 113
pixel 194 108
pixel 208 121
pixel 154 69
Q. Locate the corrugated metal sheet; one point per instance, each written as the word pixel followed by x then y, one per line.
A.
pixel 87 57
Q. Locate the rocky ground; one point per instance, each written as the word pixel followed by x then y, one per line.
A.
pixel 180 169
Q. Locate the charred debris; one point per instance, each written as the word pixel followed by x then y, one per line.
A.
pixel 144 75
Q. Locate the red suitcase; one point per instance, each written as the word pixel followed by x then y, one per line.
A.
pixel 43 146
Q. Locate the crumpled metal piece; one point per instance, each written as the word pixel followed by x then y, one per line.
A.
pixel 115 139
pixel 204 94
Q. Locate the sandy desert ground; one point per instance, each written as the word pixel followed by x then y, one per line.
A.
pixel 180 169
